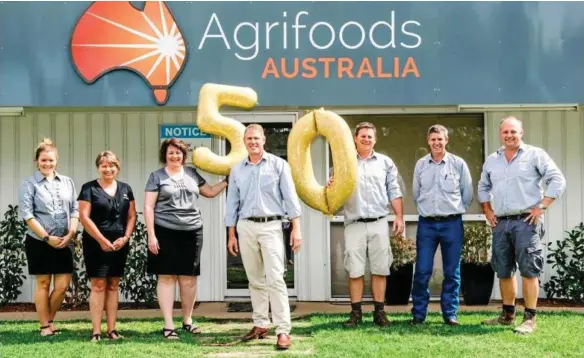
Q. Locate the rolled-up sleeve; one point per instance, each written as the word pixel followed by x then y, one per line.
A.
pixel 392 183
pixel 484 186
pixel 26 200
pixel 466 188
pixel 74 203
pixel 552 176
pixel 232 206
pixel 288 190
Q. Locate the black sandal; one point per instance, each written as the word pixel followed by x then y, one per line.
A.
pixel 45 335
pixel 191 328
pixel 110 335
pixel 57 331
pixel 96 337
pixel 172 335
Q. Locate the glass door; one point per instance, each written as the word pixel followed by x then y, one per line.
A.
pixel 237 283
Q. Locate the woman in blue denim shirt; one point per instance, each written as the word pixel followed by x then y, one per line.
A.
pixel 48 205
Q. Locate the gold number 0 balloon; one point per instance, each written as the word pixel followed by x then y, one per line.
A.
pixel 337 132
pixel 209 120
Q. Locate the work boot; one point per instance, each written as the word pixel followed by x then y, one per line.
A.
pixel 380 319
pixel 505 319
pixel 355 319
pixel 528 324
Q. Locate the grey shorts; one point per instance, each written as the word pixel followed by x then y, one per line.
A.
pixel 517 243
pixel 368 241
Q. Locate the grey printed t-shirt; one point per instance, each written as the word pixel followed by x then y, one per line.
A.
pixel 176 207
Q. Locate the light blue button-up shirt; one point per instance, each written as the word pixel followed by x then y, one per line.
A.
pixel 52 203
pixel 442 188
pixel 516 187
pixel 377 186
pixel 261 190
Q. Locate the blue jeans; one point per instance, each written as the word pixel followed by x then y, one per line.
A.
pixel 448 233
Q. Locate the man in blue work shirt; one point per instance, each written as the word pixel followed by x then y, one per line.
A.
pixel 366 226
pixel 511 179
pixel 442 192
pixel 261 193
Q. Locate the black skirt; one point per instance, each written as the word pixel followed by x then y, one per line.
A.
pixel 101 264
pixel 179 253
pixel 43 259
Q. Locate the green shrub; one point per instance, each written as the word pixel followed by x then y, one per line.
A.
pixel 12 256
pixel 79 289
pixel 137 285
pixel 567 258
pixel 476 247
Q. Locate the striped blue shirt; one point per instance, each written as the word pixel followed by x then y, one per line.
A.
pixel 52 203
pixel 442 188
pixel 261 190
pixel 515 187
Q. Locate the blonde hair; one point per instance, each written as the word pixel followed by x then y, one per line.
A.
pixel 45 146
pixel 255 127
pixel 109 157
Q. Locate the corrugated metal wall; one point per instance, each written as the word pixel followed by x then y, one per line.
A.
pixel 133 135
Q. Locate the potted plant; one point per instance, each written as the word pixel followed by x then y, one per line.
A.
pixel 399 282
pixel 477 275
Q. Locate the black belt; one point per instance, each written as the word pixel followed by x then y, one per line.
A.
pixel 513 217
pixel 264 219
pixel 369 220
pixel 442 218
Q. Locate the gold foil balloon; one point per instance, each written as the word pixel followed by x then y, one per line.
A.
pixel 209 120
pixel 327 200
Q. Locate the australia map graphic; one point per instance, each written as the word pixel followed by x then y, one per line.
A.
pixel 113 36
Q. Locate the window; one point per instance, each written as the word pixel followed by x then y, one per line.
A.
pixel 403 139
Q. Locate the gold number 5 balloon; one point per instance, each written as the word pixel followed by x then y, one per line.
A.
pixel 211 98
pixel 330 199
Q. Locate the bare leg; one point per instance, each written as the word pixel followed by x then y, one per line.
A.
pixel 530 291
pixel 508 290
pixel 60 285
pixel 356 289
pixel 96 303
pixel 188 294
pixel 165 291
pixel 111 303
pixel 378 284
pixel 41 301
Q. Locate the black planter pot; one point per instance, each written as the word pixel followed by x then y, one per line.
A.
pixel 399 285
pixel 476 283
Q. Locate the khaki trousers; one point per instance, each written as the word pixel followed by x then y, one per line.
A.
pixel 262 251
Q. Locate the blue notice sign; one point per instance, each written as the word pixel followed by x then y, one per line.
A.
pixel 181 131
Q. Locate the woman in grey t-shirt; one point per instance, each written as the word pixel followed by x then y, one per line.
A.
pixel 175 230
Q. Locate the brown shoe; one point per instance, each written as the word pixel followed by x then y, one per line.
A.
pixel 255 333
pixel 355 319
pixel 505 319
pixel 527 326
pixel 283 342
pixel 380 319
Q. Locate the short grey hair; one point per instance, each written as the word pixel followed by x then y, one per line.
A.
pixel 511 119
pixel 438 128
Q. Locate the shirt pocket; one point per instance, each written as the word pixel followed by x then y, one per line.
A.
pixel 269 179
pixel 450 182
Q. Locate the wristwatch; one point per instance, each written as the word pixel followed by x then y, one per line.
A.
pixel 46 238
pixel 541 206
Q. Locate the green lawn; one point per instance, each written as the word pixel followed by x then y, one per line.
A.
pixel 558 335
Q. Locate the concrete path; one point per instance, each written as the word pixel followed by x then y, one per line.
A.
pixel 218 310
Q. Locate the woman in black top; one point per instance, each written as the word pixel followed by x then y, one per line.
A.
pixel 108 213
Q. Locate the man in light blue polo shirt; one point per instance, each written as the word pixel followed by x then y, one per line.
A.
pixel 260 194
pixel 512 181
pixel 442 192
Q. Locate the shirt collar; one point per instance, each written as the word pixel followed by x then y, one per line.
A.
pixel 40 177
pixel 373 155
pixel 522 148
pixel 445 158
pixel 264 157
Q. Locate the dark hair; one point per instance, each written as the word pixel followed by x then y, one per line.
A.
pixel 365 125
pixel 109 157
pixel 45 146
pixel 182 146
